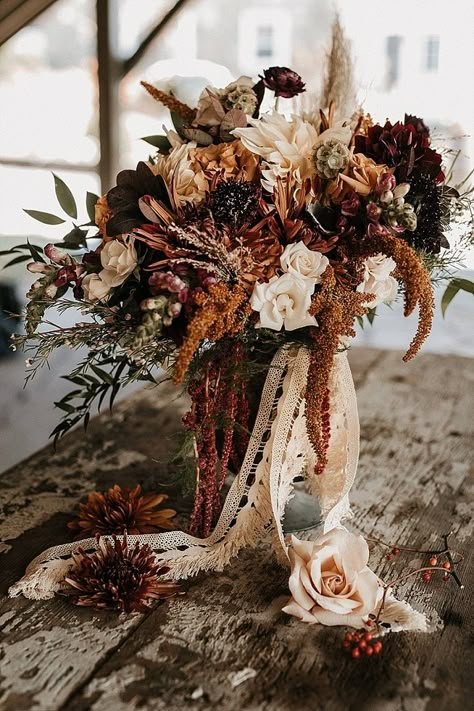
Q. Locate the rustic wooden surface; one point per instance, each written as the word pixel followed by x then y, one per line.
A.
pixel 413 485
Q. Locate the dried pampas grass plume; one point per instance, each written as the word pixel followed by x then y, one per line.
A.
pixel 338 83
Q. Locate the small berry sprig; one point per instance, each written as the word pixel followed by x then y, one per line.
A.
pixel 365 642
pixel 361 642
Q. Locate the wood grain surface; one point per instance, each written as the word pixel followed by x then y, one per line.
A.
pixel 226 645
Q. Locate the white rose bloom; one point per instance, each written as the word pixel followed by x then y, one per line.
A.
pixel 94 288
pixel 118 259
pixel 185 89
pixel 298 259
pixel 378 280
pixel 284 302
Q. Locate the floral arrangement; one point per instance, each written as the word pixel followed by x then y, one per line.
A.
pixel 244 234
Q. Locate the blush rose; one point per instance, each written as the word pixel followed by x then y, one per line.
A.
pixel 330 582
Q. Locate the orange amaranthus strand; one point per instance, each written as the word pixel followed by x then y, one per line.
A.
pixel 336 309
pixel 220 313
pixel 171 103
pixel 415 277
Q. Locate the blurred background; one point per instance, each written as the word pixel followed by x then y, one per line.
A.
pixel 71 103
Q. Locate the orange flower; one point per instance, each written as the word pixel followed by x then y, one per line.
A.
pixel 361 176
pixel 233 159
pixel 118 510
pixel 103 214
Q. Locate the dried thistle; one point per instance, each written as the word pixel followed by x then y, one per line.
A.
pixel 117 577
pixel 119 510
pixel 171 103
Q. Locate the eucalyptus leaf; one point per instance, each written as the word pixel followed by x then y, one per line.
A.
pixel 65 197
pixel 160 142
pixel 196 134
pixel 91 200
pixel 45 217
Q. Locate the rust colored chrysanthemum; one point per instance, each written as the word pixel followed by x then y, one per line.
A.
pixel 118 510
pixel 117 576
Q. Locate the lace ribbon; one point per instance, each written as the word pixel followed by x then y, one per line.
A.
pixel 279 450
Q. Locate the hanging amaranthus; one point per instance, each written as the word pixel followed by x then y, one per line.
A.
pixel 214 419
pixel 336 309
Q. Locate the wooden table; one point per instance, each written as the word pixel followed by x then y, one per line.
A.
pixel 412 487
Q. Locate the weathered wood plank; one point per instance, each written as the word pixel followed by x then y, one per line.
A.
pixel 415 479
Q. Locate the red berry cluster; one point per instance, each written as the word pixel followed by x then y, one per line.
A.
pixel 434 562
pixel 361 642
pixel 394 552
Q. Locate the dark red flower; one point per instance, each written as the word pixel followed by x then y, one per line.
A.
pixel 117 576
pixel 283 81
pixel 403 146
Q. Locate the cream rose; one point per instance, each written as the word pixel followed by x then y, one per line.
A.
pixel 378 280
pixel 330 582
pixel 298 259
pixel 118 259
pixel 340 133
pixel 284 302
pixel 94 288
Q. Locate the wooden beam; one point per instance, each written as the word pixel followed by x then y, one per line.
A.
pixel 108 77
pixel 15 14
pixel 49 164
pixel 129 63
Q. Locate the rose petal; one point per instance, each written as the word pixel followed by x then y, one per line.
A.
pixel 292 608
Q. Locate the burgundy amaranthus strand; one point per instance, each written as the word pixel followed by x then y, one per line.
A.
pixel 326 428
pixel 218 397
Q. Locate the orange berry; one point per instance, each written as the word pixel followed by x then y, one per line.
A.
pixel 369 650
pixel 447 565
pixel 355 653
pixel 377 647
pixel 433 560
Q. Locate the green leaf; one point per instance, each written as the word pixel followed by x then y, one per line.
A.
pixel 371 314
pixel 17 260
pixel 102 374
pixel 452 289
pixel 91 200
pixel 65 197
pixel 36 252
pixel 70 409
pixel 160 142
pixel 360 321
pixel 45 217
pixel 75 239
pixel 178 121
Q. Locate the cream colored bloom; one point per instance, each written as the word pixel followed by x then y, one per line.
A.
pixel 309 264
pixel 330 582
pixel 177 171
pixel 285 146
pixel 284 302
pixel 118 260
pixel 342 134
pixel 94 288
pixel 378 280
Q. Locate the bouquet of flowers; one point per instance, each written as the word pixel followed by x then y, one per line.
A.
pixel 246 247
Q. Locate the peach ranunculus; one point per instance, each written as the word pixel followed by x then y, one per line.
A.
pixel 232 158
pixel 330 582
pixel 360 176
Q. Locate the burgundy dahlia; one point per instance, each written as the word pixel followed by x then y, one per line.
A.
pixel 403 146
pixel 118 577
pixel 283 81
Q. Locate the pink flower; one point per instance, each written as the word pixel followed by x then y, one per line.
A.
pixel 350 206
pixel 330 582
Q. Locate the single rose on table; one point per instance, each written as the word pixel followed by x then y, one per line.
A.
pixel 330 581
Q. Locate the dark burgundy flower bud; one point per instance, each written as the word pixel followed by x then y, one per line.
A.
pixel 283 81
pixel 350 206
